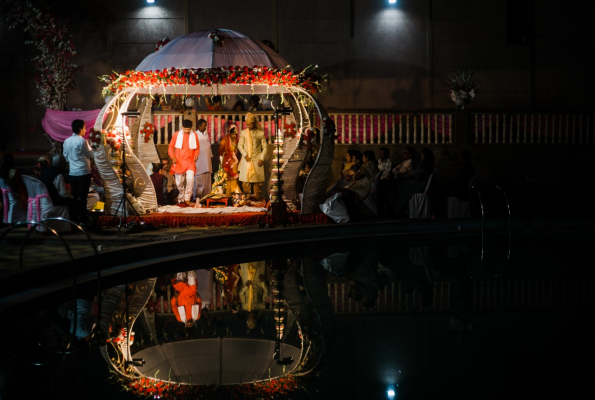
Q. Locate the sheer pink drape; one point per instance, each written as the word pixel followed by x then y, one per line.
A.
pixel 57 124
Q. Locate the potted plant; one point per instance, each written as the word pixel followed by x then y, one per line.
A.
pixel 462 88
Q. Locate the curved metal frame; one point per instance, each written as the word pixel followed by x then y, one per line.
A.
pixel 509 222
pixel 320 323
pixel 471 186
pixel 21 251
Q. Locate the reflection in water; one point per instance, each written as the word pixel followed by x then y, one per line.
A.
pixel 255 329
pixel 248 327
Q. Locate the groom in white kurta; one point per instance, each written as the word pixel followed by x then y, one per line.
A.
pixel 253 146
pixel 204 168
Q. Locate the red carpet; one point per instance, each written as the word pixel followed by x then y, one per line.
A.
pixel 177 220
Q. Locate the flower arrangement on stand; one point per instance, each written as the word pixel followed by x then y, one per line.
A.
pixel 162 43
pixel 462 88
pixel 148 131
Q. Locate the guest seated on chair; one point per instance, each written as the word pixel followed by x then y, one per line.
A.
pixel 353 162
pixel 18 191
pixel 413 182
pixel 364 177
pixel 160 183
pixel 47 177
pixel 408 165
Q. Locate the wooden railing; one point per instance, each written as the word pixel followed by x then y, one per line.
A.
pixel 412 128
pixel 218 123
pixel 366 127
pixel 526 128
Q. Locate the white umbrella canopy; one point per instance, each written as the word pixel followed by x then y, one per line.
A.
pixel 198 50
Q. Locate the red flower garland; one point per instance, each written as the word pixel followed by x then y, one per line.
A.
pixel 144 387
pixel 311 82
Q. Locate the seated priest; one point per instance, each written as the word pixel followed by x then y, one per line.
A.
pixel 186 303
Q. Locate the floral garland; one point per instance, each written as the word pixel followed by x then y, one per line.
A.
pixel 263 75
pixel 148 131
pixel 53 40
pixel 144 387
pixel 162 43
pixel 220 177
pixel 290 130
pixel 216 38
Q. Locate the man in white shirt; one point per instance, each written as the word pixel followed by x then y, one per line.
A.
pixel 78 154
pixel 204 168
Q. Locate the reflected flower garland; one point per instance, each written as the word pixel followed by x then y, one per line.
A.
pixel 145 387
pixel 257 75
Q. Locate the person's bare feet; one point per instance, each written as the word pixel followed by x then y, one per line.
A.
pixel 190 204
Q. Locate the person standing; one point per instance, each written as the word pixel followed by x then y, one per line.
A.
pixel 186 303
pixel 204 165
pixel 253 146
pixel 228 150
pixel 78 154
pixel 184 149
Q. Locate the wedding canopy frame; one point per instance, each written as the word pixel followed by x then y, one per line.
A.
pixel 208 78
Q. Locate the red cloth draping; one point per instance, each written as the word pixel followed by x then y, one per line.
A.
pixel 177 220
pixel 57 124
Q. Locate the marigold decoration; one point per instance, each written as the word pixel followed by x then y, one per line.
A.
pixel 220 275
pixel 147 131
pixel 220 177
pixel 96 138
pixel 290 130
pixel 162 43
pixel 53 40
pixel 216 38
pixel 257 75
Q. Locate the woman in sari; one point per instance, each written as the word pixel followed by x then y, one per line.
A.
pixel 364 177
pixel 228 149
pixel 353 161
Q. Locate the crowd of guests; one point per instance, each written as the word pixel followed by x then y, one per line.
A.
pixel 74 185
pixel 363 176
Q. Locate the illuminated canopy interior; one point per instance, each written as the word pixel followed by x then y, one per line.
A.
pixel 215 361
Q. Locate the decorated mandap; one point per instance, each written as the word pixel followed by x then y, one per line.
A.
pixel 205 64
